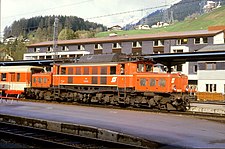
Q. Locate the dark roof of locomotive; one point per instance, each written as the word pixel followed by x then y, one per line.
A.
pixel 100 58
pixel 166 35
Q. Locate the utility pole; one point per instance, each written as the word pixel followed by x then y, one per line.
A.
pixel 55 50
pixel 171 16
pixel 55 38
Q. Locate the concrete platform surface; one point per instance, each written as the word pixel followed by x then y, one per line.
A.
pixel 173 130
pixel 207 108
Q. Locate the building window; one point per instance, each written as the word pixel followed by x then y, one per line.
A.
pixel 178 50
pixel 49 49
pixel 65 48
pixel 210 87
pixel 80 47
pixel 158 42
pixel 181 41
pixel 210 66
pixel 64 56
pixel 116 45
pixel 136 44
pixel 36 50
pixel 48 57
pixel 201 40
pixel 195 68
pixel 178 67
pixel 41 57
pixel 204 40
pixel 98 46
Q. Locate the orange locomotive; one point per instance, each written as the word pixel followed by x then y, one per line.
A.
pixel 108 79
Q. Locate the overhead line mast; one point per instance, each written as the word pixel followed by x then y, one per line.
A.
pixel 55 38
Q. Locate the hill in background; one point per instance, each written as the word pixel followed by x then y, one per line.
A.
pixel 201 22
pixel 176 13
pixel 41 28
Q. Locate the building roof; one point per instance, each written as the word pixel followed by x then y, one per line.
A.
pixel 165 35
pixel 171 59
pixel 212 48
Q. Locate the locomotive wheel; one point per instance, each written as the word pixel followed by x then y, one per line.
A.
pixel 181 108
pixel 151 103
pixel 47 95
pixel 186 101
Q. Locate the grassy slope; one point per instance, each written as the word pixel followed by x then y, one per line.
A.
pixel 201 23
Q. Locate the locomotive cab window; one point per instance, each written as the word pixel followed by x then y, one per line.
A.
pixel 63 71
pixel 148 68
pixel 34 80
pixel 112 70
pixel 3 77
pixel 122 69
pixel 140 68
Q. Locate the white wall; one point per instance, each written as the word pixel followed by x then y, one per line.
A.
pixel 211 77
pixel 219 38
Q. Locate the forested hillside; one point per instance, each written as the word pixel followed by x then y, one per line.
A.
pixel 41 28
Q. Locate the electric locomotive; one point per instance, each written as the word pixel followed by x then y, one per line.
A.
pixel 110 79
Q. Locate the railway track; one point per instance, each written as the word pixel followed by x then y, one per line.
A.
pixel 49 139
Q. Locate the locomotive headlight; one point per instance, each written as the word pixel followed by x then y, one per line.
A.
pixel 187 88
pixel 174 88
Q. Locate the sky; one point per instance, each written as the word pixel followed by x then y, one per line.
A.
pixel 93 10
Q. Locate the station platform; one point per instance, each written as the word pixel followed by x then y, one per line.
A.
pixel 174 130
pixel 208 108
